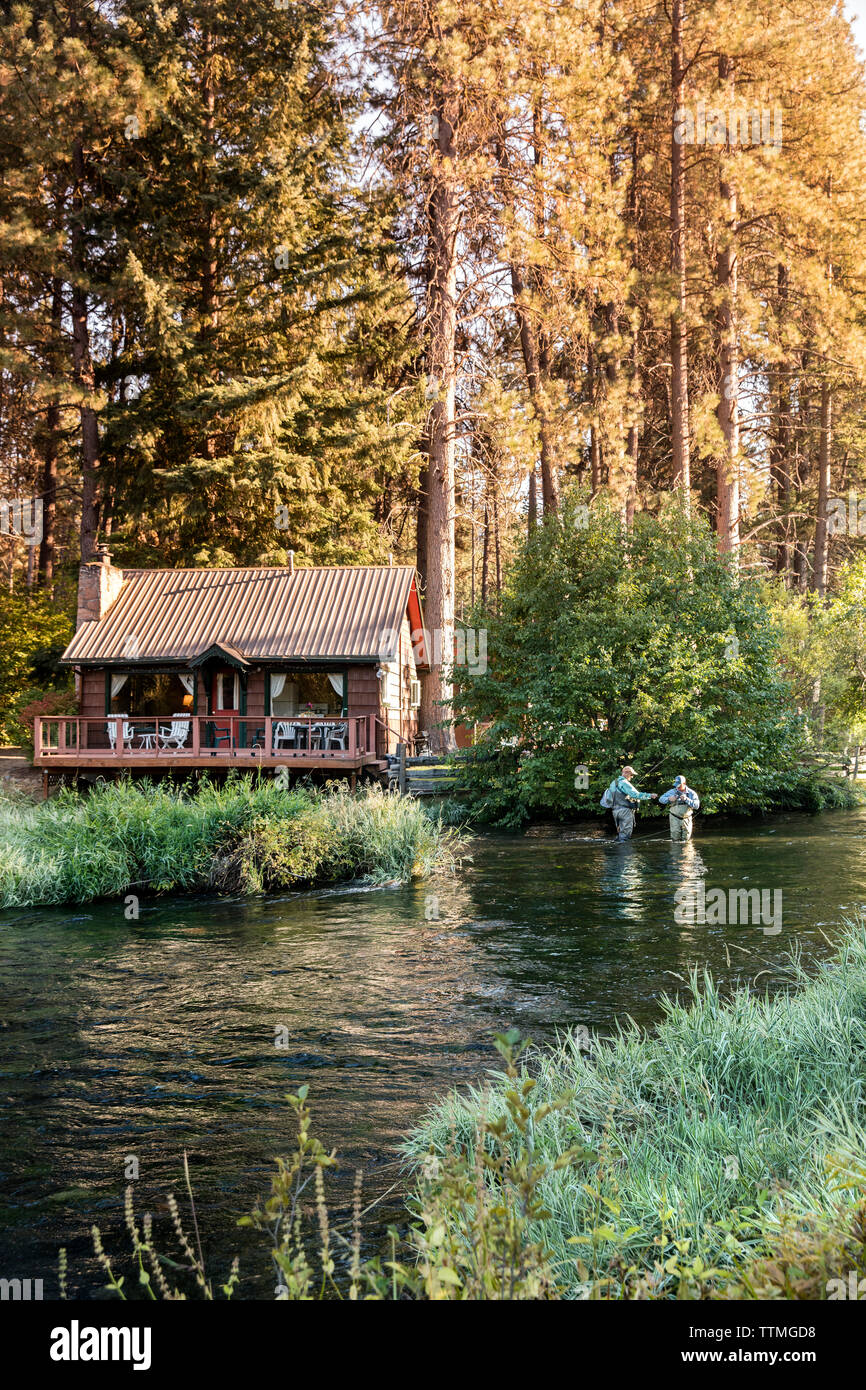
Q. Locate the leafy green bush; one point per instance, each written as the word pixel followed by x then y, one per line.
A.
pixel 823 654
pixel 610 647
pixel 33 635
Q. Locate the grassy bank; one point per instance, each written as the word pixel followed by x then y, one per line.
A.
pixel 245 836
pixel 687 1157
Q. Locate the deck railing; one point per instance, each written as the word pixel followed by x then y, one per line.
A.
pixel 129 738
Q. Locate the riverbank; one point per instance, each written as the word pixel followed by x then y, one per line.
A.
pixel 484 800
pixel 726 1138
pixel 243 837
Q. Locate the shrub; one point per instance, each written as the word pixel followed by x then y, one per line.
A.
pixel 607 647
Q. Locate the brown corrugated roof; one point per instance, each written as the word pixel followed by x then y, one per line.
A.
pixel 344 612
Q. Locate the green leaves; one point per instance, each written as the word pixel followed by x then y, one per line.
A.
pixel 609 647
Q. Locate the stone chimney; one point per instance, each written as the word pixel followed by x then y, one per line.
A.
pixel 99 583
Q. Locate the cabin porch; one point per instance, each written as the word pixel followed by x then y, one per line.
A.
pixel 171 742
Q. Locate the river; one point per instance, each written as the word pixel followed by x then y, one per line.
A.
pixel 134 1040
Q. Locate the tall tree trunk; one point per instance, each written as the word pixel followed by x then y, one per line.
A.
pixel 82 363
pixel 532 512
pixel 209 307
pixel 444 219
pixel 485 549
pixel 594 446
pixel 422 520
pixel 728 409
pixel 532 347
pixel 614 441
pixel 50 456
pixel 679 334
pixel 819 570
pixel 634 393
pixel 780 460
pixel 496 549
pixel 532 367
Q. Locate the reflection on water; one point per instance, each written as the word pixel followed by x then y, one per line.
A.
pixel 147 1038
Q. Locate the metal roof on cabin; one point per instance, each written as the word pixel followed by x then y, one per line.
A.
pixel 316 613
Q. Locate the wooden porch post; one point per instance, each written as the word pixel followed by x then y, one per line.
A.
pixel 401 775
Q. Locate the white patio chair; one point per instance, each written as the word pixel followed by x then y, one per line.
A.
pixel 337 734
pixel 174 734
pixel 111 725
pixel 284 732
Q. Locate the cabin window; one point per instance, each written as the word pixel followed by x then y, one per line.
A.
pixel 149 692
pixel 306 692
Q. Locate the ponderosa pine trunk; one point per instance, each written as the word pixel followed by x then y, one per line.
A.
pixel 82 364
pixel 681 467
pixel 50 457
pixel 532 367
pixel 780 459
pixel 825 448
pixel 634 391
pixel 444 220
pixel 728 409
pixel 209 306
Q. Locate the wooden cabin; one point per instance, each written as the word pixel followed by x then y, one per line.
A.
pixel 308 668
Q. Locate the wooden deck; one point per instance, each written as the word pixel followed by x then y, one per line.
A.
pixel 144 743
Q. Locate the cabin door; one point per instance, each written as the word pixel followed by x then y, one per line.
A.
pixel 225 704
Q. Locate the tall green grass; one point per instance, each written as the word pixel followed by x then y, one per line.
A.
pixel 244 836
pixel 704 1134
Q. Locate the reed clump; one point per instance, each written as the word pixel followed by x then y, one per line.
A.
pixel 722 1137
pixel 247 835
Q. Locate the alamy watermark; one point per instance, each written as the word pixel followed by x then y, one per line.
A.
pixel 697 905
pixel 846 515
pixel 22 516
pixel 852 1288
pixel 430 648
pixel 737 126
pixel 20 1290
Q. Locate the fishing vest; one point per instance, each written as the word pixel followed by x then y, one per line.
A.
pixel 621 802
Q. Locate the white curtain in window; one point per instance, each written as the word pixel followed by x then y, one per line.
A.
pixel 277 686
pixel 337 683
pixel 117 684
pixel 188 683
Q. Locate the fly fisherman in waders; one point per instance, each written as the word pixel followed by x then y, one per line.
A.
pixel 624 802
pixel 681 801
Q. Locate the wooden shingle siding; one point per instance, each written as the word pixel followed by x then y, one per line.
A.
pixel 92 701
pixel 256 694
pixel 363 691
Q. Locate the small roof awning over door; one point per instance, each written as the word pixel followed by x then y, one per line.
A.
pixel 220 651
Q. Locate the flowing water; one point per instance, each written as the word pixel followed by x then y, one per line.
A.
pixel 136 1040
